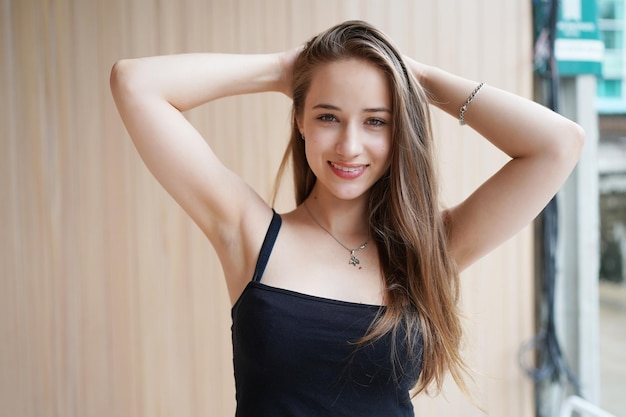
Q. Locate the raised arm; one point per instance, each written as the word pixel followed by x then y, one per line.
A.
pixel 544 148
pixel 151 93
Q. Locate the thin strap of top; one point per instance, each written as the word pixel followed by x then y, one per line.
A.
pixel 266 248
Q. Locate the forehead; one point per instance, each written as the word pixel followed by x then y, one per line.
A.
pixel 351 83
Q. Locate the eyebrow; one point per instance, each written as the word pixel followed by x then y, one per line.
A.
pixel 368 110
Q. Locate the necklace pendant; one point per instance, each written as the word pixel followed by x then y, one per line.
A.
pixel 354 261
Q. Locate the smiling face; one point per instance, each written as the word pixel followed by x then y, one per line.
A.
pixel 346 122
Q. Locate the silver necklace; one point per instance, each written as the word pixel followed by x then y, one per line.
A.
pixel 354 261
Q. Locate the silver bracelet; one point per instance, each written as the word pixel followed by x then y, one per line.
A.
pixel 467 103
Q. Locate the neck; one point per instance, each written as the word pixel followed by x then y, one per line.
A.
pixel 345 220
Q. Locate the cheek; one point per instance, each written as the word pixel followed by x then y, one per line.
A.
pixel 312 149
pixel 319 140
pixel 385 150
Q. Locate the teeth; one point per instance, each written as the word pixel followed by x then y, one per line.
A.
pixel 346 169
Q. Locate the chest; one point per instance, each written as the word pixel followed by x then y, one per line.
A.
pixel 318 266
pixel 276 331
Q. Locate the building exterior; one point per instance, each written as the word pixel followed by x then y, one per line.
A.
pixel 611 106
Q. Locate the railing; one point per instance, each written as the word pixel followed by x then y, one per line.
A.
pixel 575 403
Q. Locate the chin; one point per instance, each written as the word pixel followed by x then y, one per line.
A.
pixel 351 194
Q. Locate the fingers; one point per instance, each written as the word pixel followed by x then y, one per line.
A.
pixel 286 61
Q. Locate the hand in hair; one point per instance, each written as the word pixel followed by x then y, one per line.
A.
pixel 286 60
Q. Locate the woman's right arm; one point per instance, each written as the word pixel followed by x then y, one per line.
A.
pixel 151 93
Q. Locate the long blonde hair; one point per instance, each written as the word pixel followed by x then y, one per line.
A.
pixel 405 219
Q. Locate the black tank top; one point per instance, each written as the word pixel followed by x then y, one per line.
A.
pixel 295 354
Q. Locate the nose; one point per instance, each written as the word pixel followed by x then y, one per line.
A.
pixel 349 143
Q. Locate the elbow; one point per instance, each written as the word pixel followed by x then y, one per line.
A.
pixel 122 78
pixel 116 78
pixel 578 138
pixel 568 144
pixel 576 142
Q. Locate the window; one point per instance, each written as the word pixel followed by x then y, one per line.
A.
pixel 611 94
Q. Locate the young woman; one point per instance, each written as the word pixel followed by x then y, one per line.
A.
pixel 345 304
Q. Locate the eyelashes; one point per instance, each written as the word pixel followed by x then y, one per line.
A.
pixel 326 118
pixel 376 122
pixel 371 121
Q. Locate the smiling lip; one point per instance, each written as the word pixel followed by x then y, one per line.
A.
pixel 347 171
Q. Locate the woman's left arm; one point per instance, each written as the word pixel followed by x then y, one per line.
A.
pixel 544 147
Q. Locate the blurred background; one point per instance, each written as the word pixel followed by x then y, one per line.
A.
pixel 112 302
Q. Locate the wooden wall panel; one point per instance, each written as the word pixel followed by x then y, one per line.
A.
pixel 112 302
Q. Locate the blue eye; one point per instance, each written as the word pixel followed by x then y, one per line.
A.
pixel 327 118
pixel 376 122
